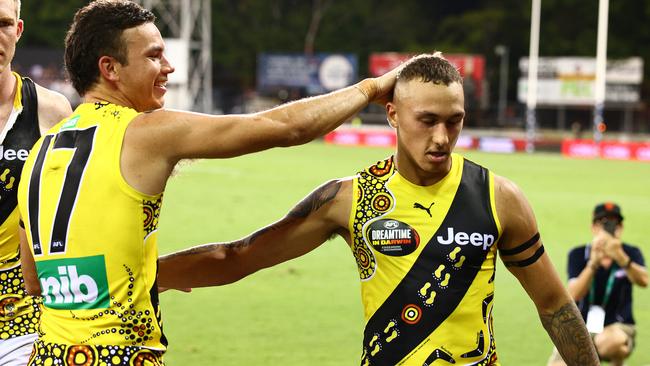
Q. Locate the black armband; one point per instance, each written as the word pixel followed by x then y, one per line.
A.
pixel 520 248
pixel 528 261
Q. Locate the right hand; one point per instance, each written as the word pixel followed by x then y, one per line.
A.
pixel 597 250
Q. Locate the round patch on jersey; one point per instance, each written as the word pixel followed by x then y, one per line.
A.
pixel 392 237
pixel 411 314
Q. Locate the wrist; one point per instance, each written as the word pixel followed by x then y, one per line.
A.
pixel 625 262
pixel 368 88
pixel 593 265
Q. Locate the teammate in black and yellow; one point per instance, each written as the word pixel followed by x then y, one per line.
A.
pixel 424 227
pixel 601 276
pixel 92 187
pixel 27 110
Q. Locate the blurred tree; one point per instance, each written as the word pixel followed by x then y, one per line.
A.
pixel 244 28
pixel 46 22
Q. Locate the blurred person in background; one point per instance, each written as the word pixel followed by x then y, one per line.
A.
pixel 424 227
pixel 27 110
pixel 601 276
pixel 93 186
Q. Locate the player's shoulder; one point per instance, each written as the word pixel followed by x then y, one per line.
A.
pixel 52 107
pixel 507 191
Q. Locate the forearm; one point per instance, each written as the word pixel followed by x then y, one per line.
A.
pixel 313 117
pixel 200 266
pixel 579 286
pixel 637 274
pixel 568 332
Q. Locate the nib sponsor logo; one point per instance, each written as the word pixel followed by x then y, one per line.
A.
pixel 74 283
pixel 463 238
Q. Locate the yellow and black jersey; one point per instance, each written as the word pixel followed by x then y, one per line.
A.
pixel 93 238
pixel 18 312
pixel 426 258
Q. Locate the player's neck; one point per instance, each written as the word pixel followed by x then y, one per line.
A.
pixel 7 87
pixel 100 93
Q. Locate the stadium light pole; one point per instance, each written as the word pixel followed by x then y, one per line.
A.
pixel 533 61
pixel 502 51
pixel 601 68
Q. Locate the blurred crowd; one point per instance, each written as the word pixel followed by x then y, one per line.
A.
pixel 50 76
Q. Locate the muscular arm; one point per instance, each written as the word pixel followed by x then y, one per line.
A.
pixel 156 141
pixel 557 311
pixel 52 108
pixel 310 223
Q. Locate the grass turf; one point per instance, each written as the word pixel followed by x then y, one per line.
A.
pixel 308 311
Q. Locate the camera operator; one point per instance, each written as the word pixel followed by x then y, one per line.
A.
pixel 601 275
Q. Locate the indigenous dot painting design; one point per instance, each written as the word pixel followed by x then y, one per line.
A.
pixel 92 355
pixel 19 313
pixel 373 200
pixel 151 211
pixel 136 325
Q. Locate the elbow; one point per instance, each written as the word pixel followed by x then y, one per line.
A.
pixel 643 282
pixel 297 135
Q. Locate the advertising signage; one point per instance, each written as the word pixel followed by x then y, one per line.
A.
pixel 309 75
pixel 471 67
pixel 571 80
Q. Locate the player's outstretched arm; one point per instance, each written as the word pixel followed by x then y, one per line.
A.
pixel 522 252
pixel 179 135
pixel 311 222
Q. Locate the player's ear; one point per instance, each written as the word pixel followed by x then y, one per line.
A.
pixel 109 68
pixel 391 114
pixel 19 28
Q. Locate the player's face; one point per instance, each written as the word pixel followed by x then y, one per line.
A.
pixel 143 79
pixel 11 29
pixel 428 119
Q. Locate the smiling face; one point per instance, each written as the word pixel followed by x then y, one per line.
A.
pixel 428 118
pixel 11 29
pixel 142 80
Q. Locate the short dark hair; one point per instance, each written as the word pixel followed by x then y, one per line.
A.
pixel 96 31
pixel 430 68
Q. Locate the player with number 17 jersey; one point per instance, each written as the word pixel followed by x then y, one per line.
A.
pixel 96 262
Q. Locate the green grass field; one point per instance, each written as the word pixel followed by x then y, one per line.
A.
pixel 308 311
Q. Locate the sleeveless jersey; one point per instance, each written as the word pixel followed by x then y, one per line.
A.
pixel 18 312
pixel 426 258
pixel 93 238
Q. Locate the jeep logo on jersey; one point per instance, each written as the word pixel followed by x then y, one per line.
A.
pixel 392 237
pixel 74 283
pixel 463 238
pixel 11 154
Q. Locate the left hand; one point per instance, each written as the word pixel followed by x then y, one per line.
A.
pixel 614 248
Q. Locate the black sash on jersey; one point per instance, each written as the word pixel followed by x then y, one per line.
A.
pixel 470 212
pixel 22 136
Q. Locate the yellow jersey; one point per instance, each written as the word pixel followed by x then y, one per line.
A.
pixel 93 238
pixel 426 259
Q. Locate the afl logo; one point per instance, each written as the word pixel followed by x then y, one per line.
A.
pixel 391 224
pixel 392 237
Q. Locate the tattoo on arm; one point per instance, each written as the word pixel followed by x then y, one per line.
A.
pixel 569 334
pixel 311 203
pixel 316 199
